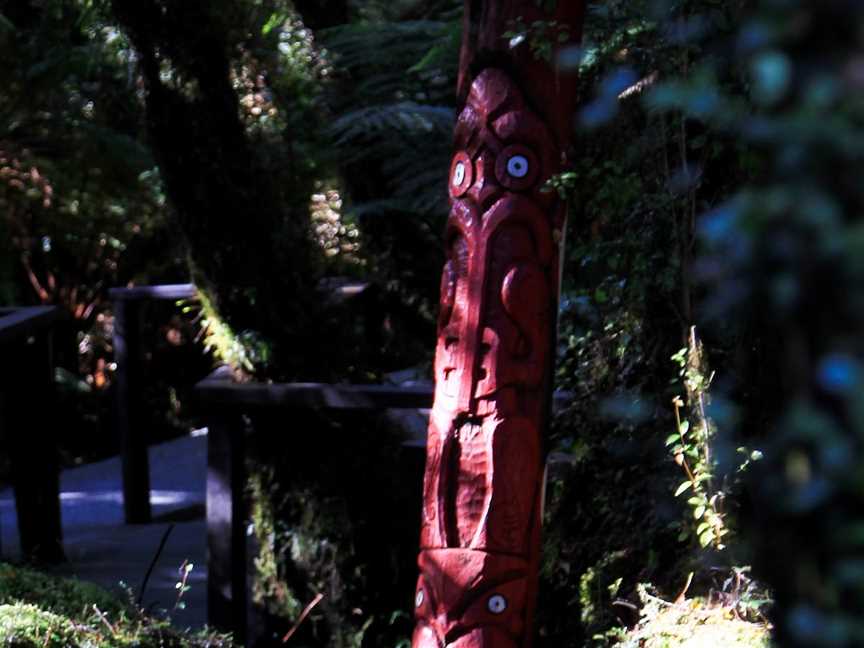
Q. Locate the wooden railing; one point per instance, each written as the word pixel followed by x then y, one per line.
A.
pixel 28 427
pixel 130 412
pixel 226 405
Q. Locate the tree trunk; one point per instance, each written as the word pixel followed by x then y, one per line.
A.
pixel 248 252
pixel 480 534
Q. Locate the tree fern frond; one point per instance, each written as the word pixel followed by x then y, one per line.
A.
pixel 405 117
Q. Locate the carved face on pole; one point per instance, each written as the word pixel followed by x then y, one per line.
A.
pixel 482 489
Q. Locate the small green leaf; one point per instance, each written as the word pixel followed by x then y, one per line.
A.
pixel 276 20
pixel 672 438
pixel 683 487
pixel 684 427
pixel 699 512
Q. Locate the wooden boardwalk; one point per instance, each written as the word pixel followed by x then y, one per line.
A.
pixel 102 549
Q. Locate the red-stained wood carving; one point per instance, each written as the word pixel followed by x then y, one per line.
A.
pixel 483 485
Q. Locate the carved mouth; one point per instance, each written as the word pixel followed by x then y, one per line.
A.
pixel 460 479
pixel 456 633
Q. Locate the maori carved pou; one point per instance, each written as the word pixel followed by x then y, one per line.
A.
pixel 480 533
pixel 499 288
pixel 483 473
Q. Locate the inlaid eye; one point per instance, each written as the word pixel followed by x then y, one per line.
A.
pixel 418 600
pixel 459 174
pixel 496 604
pixel 518 166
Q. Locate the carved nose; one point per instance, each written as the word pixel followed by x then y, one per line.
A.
pixel 485 190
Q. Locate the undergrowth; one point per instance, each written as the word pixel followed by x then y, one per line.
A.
pixel 695 623
pixel 41 611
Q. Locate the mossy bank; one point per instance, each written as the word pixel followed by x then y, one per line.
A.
pixel 41 611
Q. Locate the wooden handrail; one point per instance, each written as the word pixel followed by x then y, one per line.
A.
pixel 167 291
pixel 16 323
pixel 219 390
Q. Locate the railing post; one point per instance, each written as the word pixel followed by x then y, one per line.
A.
pixel 129 411
pixel 31 438
pixel 226 515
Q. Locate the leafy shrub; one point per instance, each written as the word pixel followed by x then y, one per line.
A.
pixel 631 293
pixel 782 263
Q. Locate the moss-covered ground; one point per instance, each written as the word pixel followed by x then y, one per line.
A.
pixel 41 611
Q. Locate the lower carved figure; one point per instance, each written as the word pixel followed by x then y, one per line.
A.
pixel 469 599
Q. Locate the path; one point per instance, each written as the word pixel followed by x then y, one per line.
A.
pixel 102 549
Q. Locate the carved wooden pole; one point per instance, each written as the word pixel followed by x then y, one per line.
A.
pixel 480 535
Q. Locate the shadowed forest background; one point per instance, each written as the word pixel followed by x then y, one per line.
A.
pixel 707 473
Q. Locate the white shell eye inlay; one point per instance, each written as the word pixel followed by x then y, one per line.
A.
pixel 497 604
pixel 517 166
pixel 459 174
pixel 418 600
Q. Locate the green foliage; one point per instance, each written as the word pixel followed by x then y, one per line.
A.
pixel 542 36
pixel 596 596
pixel 78 193
pixel 640 180
pixel 394 112
pixel 692 623
pixel 40 611
pixel 233 102
pixel 784 250
pixel 64 597
pixel 691 445
pixel 335 537
pixel 708 484
pixel 222 341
